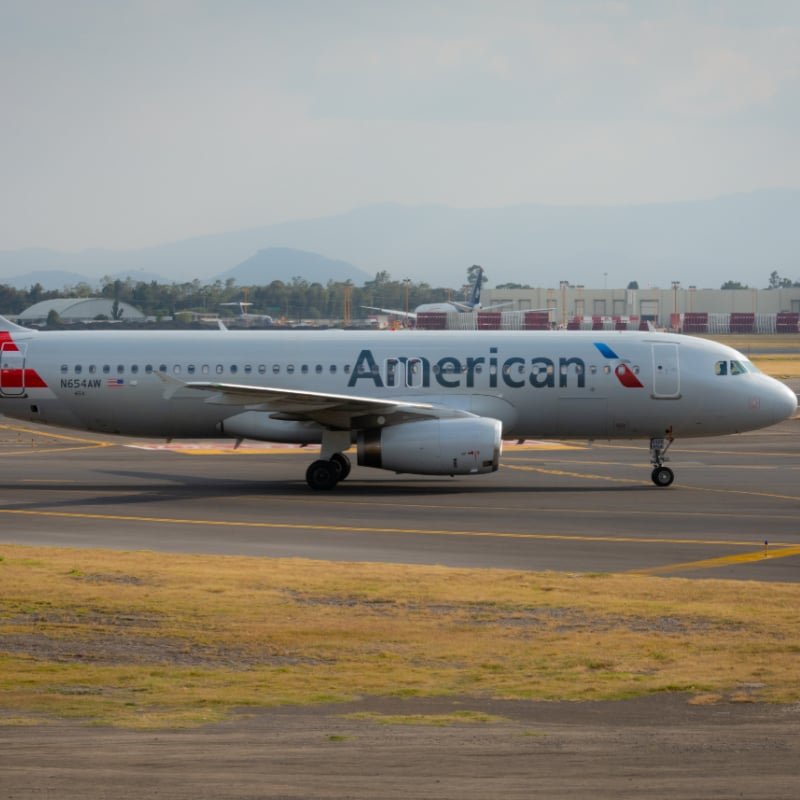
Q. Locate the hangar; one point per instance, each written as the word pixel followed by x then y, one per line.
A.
pixel 78 309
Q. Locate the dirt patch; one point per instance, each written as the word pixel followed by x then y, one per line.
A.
pixel 659 747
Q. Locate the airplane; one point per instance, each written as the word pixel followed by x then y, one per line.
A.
pixel 246 317
pixel 473 304
pixel 420 402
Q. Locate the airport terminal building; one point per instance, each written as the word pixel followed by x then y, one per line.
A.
pixel 689 309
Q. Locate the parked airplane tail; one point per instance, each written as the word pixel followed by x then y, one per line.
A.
pixel 475 297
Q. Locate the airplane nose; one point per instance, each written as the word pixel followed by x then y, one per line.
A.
pixel 784 402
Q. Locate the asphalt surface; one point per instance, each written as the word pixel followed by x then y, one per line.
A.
pixel 732 512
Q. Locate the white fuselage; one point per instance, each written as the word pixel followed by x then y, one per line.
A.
pixel 537 383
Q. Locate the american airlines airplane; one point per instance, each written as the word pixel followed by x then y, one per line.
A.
pixel 429 403
pixel 473 304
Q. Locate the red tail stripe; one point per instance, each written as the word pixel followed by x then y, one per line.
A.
pixel 12 379
pixel 5 339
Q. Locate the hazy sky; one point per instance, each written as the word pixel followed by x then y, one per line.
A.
pixel 132 123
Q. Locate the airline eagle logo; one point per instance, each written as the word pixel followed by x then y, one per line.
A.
pixel 625 375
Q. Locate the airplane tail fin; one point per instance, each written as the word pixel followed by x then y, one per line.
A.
pixel 475 297
pixel 11 327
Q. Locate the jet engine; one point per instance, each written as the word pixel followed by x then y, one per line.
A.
pixel 461 446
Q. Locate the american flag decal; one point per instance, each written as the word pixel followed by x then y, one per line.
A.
pixel 115 383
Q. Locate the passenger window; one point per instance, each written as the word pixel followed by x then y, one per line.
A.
pixel 177 369
pixel 332 369
pixel 190 369
pixel 304 369
pixel 346 369
pixel 204 369
pixel 92 369
pixel 276 368
pixel 290 368
pixel 106 369
pixel 262 368
pixel 64 369
pixel 234 369
pixel 134 368
pixel 593 369
pixel 162 368
pixel 120 369
pixel 78 369
pixel 318 369
pixel 248 368
pixel 220 369
pixel 148 368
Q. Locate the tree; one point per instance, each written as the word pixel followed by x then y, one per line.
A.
pixel 117 310
pixel 633 285
pixel 776 282
pixel 734 285
pixel 471 274
pixel 53 318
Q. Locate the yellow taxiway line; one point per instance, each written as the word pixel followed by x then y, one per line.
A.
pixel 382 530
pixel 723 561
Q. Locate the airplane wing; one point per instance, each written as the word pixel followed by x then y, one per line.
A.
pixel 396 311
pixel 331 410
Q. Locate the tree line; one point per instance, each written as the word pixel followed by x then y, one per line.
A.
pixel 297 299
pixel 293 300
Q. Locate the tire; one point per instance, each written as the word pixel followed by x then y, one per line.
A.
pixel 322 475
pixel 342 463
pixel 662 476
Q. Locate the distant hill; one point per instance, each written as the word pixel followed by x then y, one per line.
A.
pixel 742 237
pixel 283 264
pixel 48 278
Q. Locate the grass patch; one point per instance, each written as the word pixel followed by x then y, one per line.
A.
pixel 150 640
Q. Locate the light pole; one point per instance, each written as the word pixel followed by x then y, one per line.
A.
pixel 563 285
pixel 406 282
pixel 675 325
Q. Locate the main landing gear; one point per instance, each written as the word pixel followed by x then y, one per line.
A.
pixel 333 466
pixel 325 474
pixel 661 475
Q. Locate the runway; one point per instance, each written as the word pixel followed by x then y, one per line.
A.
pixel 732 512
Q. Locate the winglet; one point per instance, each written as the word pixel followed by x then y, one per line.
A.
pixel 171 385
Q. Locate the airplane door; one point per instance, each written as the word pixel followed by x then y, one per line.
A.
pixel 12 369
pixel 666 372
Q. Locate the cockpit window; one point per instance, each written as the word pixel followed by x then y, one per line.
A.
pixel 737 368
pixel 734 367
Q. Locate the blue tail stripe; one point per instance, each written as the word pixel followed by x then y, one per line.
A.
pixel 606 350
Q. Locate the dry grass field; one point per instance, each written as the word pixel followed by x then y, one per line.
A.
pixel 148 640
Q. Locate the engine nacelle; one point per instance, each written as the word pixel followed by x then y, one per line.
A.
pixel 260 425
pixel 461 446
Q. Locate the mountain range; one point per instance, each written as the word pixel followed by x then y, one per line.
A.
pixel 742 237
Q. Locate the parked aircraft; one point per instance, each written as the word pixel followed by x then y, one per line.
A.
pixel 430 403
pixel 246 318
pixel 473 304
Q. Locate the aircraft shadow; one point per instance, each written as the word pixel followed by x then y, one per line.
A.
pixel 157 488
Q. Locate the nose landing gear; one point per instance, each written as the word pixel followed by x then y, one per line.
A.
pixel 661 475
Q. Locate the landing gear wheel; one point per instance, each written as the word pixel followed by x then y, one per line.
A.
pixel 662 476
pixel 322 475
pixel 342 463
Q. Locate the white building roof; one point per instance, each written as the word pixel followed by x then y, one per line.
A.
pixel 74 309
